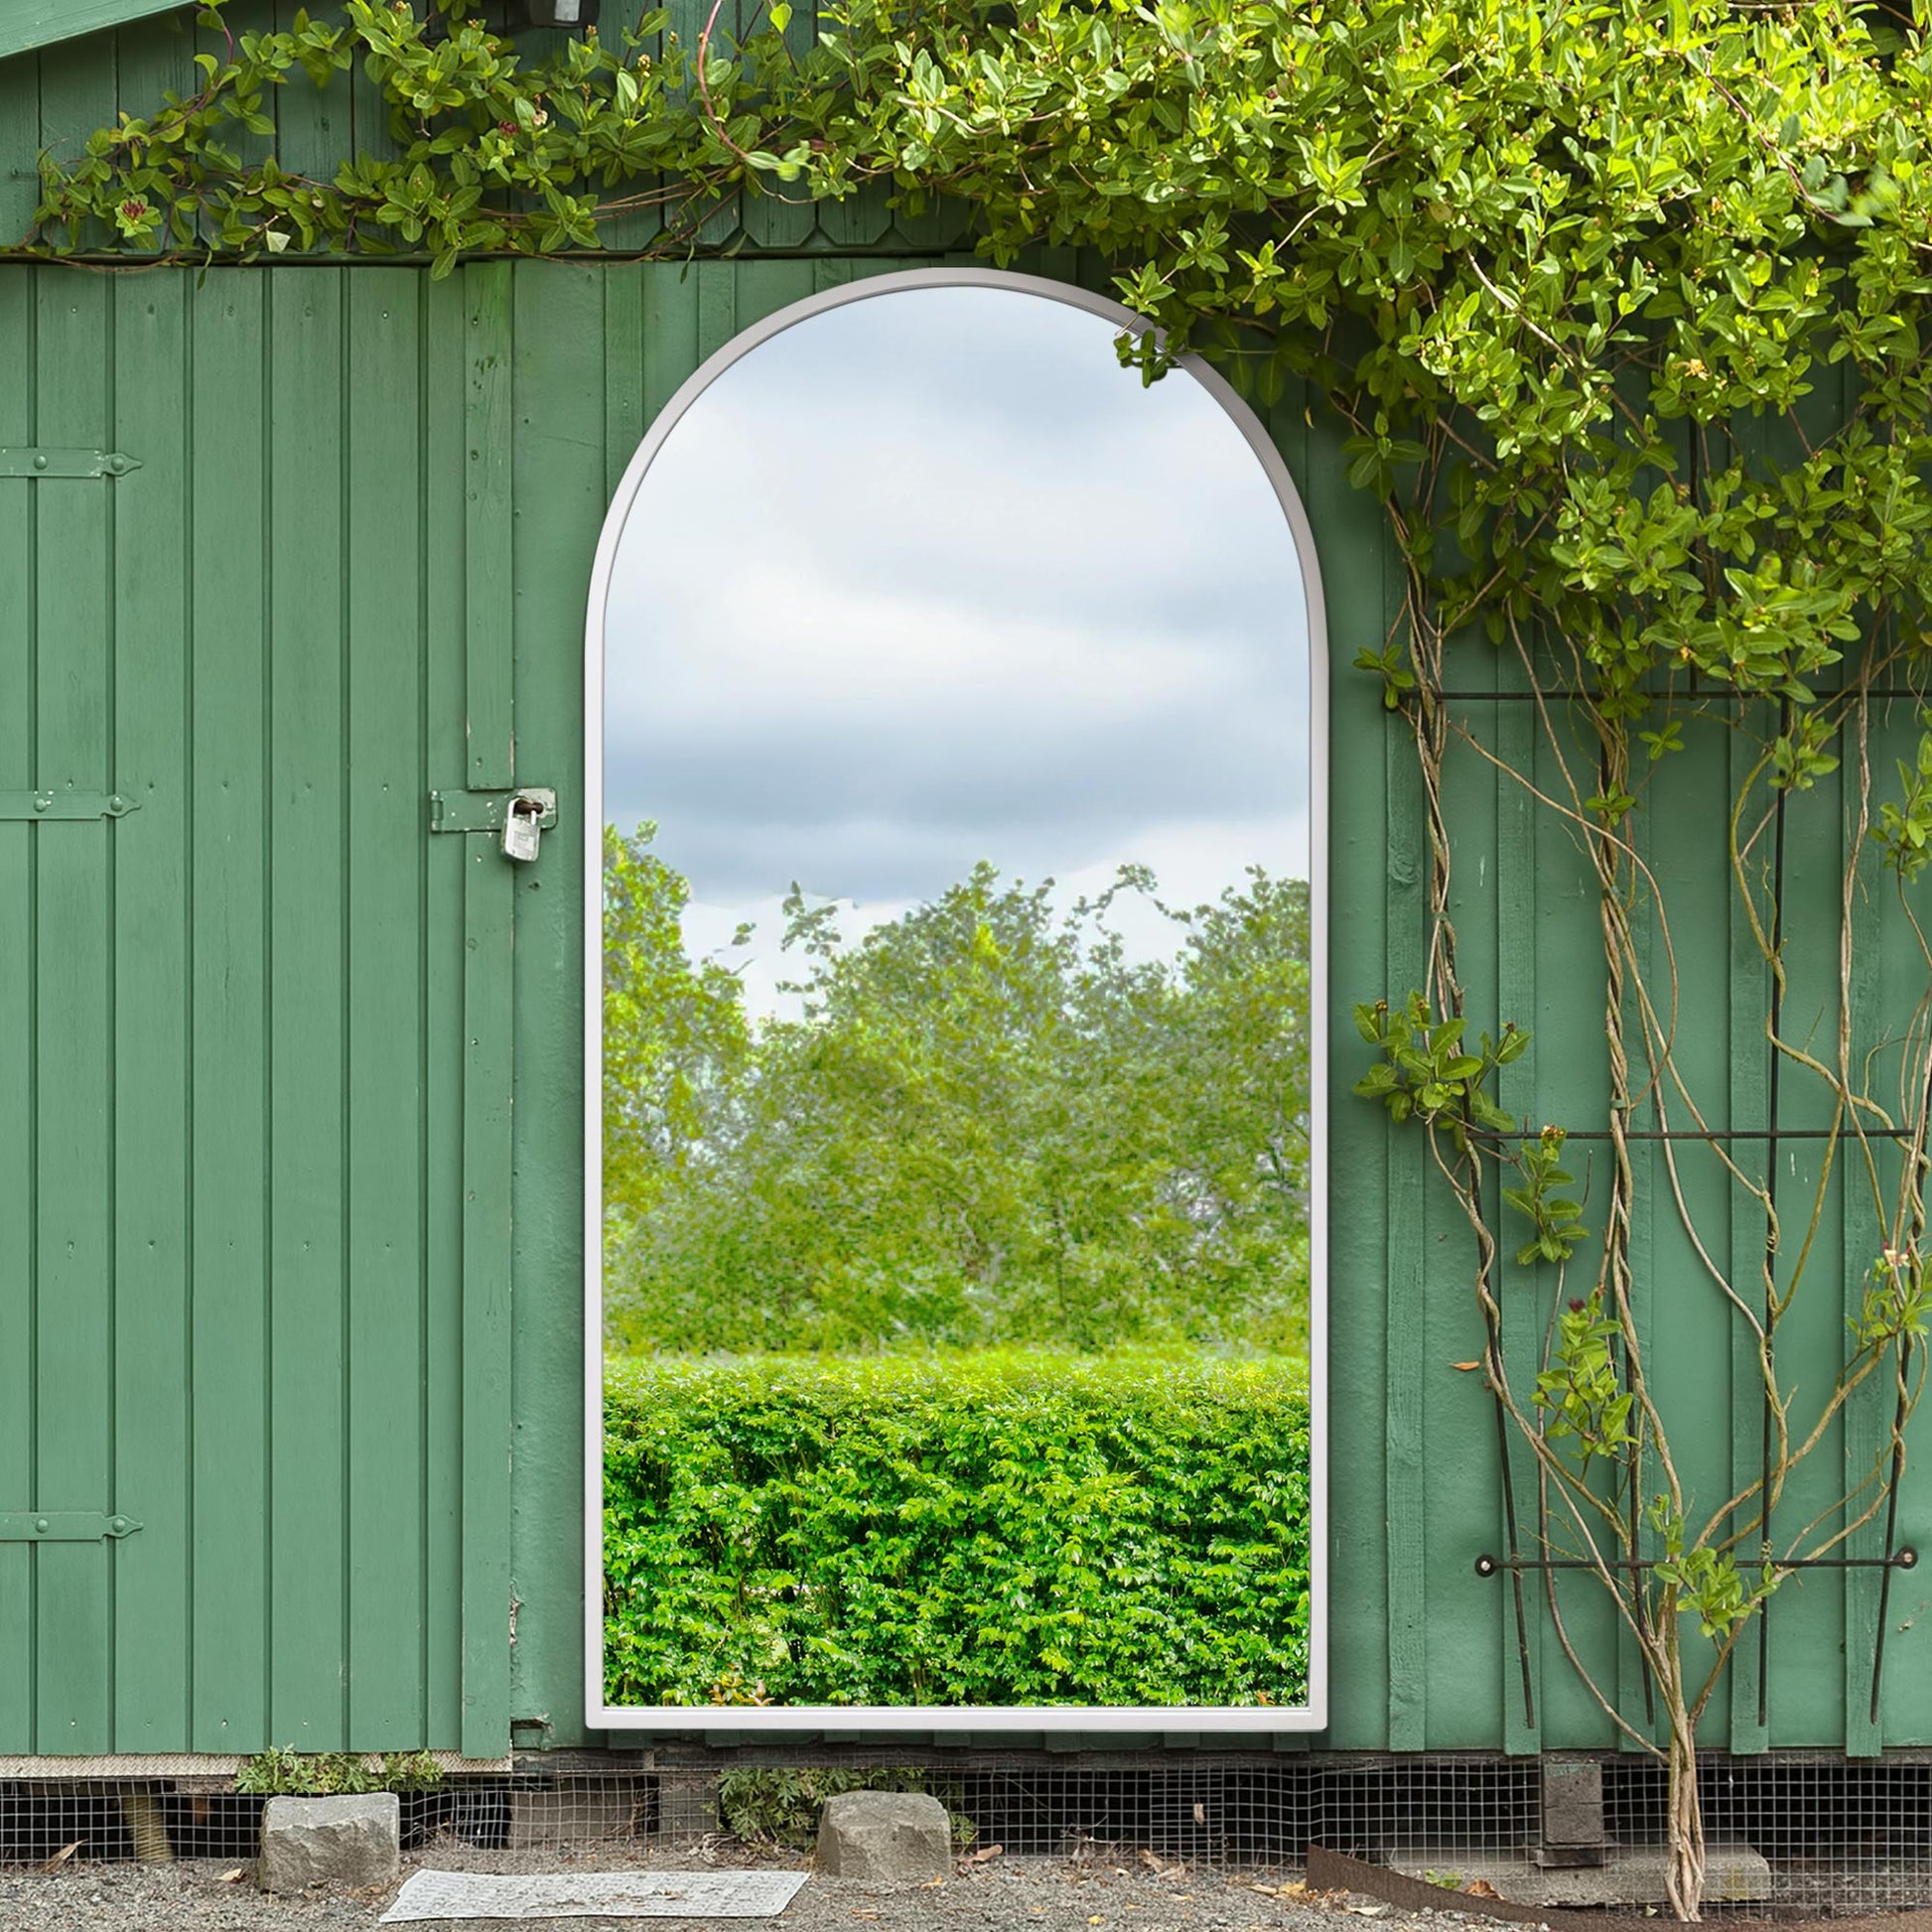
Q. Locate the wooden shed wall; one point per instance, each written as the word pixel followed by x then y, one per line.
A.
pixel 244 1301
pixel 252 1264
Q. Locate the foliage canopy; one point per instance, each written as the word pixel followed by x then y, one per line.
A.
pixel 1541 258
pixel 987 1123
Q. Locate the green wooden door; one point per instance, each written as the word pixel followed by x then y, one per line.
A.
pixel 254 1079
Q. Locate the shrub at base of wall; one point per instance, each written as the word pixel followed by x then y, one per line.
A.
pixel 992 1530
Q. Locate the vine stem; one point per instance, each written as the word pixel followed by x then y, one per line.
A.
pixel 1652 1600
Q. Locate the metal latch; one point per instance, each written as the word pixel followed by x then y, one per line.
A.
pixel 45 464
pixel 62 1526
pixel 490 811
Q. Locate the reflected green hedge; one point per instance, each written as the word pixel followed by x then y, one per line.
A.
pixel 984 1529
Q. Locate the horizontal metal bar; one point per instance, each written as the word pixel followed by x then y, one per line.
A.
pixel 66 804
pixel 48 465
pixel 1741 1134
pixel 62 1526
pixel 484 811
pixel 1488 1566
pixel 1558 694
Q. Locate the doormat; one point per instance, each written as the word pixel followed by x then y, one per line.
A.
pixel 594 1894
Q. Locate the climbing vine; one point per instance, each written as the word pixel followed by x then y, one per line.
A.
pixel 1622 308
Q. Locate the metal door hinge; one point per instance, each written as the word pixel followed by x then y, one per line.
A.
pixel 47 464
pixel 66 804
pixel 62 1526
pixel 486 811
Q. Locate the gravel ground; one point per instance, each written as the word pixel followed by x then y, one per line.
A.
pixel 1050 1893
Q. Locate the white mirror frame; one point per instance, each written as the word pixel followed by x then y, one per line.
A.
pixel 881 1720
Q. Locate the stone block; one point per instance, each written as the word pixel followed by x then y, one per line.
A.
pixel 344 1843
pixel 898 1838
pixel 1572 1805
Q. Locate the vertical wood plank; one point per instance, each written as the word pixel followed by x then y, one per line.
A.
pixel 625 418
pixel 73 1017
pixel 1648 1175
pixel 486 1077
pixel 671 332
pixel 1750 1109
pixel 151 1584
pixel 1361 743
pixel 1688 1324
pixel 1524 1293
pixel 1466 1617
pixel 78 94
pixel 369 117
pixel 1571 1079
pixel 764 288
pixel 711 221
pixel 1807 1623
pixel 941 226
pixel 313 134
pixel 774 214
pixel 829 272
pixel 638 217
pixel 153 59
pixel 628 408
pixel 1870 1414
pixel 18 1415
pixel 1406 874
pixel 442 348
pixel 560 466
pixel 861 220
pixel 230 1055
pixel 20 123
pixel 308 1133
pixel 1890 978
pixel 386 1029
pixel 635 221
pixel 487 1055
pixel 488 580
pixel 717 306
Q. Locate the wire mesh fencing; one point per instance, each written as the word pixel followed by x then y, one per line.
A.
pixel 1788 1830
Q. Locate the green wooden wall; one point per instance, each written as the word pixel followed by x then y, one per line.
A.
pixel 244 1298
pixel 290 1088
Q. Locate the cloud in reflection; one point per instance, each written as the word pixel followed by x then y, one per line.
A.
pixel 928 579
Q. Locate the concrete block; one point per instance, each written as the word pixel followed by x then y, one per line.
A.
pixel 1633 1874
pixel 900 1838
pixel 1573 1810
pixel 347 1843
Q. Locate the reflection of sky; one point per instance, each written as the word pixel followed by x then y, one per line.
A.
pixel 928 579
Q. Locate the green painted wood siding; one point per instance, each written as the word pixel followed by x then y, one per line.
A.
pixel 244 1296
pixel 255 1188
pixel 1423 1652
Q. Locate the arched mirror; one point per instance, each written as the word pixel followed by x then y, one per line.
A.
pixel 957 1299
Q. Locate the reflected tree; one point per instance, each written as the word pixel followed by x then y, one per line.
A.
pixel 990 1122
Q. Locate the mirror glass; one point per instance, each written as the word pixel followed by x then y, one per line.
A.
pixel 958 740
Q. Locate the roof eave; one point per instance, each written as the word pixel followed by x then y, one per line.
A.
pixel 26 25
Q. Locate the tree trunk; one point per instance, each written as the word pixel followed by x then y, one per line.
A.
pixel 1684 1877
